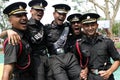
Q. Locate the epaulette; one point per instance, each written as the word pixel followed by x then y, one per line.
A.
pixel 66 24
pixel 47 26
pixel 105 37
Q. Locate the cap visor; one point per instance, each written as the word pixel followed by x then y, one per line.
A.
pixel 64 12
pixel 86 22
pixel 19 12
pixel 38 8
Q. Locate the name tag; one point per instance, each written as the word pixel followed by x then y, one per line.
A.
pixel 38 36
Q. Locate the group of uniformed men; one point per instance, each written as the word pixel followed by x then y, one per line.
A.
pixel 56 51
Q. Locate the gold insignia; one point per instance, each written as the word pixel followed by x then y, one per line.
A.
pixel 75 18
pixel 20 7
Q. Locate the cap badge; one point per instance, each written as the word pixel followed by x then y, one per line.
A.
pixel 20 7
pixel 41 4
pixel 76 18
pixel 88 17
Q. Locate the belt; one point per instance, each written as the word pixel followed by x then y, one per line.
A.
pixel 21 75
pixel 95 71
pixel 40 52
pixel 60 51
pixel 57 51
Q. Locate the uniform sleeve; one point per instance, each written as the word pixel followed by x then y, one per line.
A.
pixel 10 53
pixel 112 50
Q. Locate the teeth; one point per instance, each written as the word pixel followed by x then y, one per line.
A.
pixel 76 28
pixel 39 15
pixel 23 22
pixel 60 19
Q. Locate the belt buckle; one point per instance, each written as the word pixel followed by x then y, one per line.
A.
pixel 43 52
pixel 95 71
pixel 60 51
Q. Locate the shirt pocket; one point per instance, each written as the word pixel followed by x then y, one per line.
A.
pixel 102 55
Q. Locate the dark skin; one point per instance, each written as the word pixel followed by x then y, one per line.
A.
pixel 76 27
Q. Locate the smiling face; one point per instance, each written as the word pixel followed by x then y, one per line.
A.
pixel 19 21
pixel 76 27
pixel 37 14
pixel 59 17
pixel 90 28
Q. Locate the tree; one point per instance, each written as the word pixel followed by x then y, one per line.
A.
pixel 116 29
pixel 3 18
pixel 108 7
pixel 109 14
pixel 81 6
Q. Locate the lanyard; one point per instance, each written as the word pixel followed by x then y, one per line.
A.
pixel 80 54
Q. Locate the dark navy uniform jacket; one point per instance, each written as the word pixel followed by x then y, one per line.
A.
pixel 11 53
pixel 100 49
pixel 62 64
pixel 36 36
pixel 53 32
pixel 70 43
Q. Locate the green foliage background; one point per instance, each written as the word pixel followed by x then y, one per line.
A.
pixel 116 29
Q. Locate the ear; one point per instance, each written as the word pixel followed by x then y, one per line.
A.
pixel 54 13
pixel 30 10
pixel 97 25
pixel 9 19
pixel 81 25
